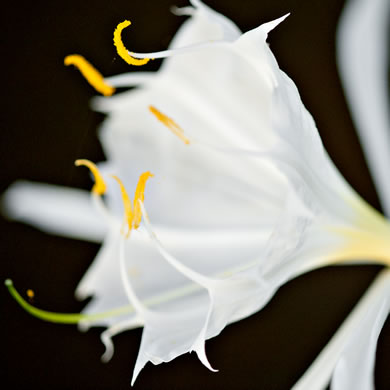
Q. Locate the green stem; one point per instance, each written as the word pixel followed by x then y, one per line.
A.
pixel 63 318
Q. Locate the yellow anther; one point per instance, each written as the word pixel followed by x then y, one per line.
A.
pixel 133 214
pixel 121 49
pixel 93 76
pixel 139 196
pixel 170 123
pixel 30 293
pixel 99 187
pixel 126 203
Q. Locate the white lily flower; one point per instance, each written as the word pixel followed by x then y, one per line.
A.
pixel 248 201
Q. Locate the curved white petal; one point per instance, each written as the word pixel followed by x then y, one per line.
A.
pixel 355 368
pixel 104 265
pixel 236 294
pixel 230 30
pixel 170 334
pixel 363 48
pixel 354 341
pixel 58 210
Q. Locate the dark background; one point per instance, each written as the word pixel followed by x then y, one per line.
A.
pixel 46 125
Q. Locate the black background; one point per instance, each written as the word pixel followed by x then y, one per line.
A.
pixel 46 124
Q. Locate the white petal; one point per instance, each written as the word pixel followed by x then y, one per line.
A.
pixel 368 312
pixel 171 328
pixel 57 210
pixel 104 270
pixel 195 186
pixel 363 50
pixel 170 334
pixel 355 368
pixel 230 30
pixel 297 129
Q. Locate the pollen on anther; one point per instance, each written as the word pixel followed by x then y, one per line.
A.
pixel 133 214
pixel 30 293
pixel 170 123
pixel 91 74
pixel 121 49
pixel 139 197
pixel 129 215
pixel 99 187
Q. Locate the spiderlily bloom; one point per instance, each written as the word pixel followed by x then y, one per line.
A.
pixel 243 199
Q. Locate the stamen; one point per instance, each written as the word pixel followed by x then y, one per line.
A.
pixel 100 186
pixel 93 76
pixel 170 123
pixel 139 196
pixel 133 218
pixel 126 204
pixel 121 49
pixel 64 318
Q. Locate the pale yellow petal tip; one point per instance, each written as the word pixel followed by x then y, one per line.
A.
pixel 170 123
pixel 99 187
pixel 121 49
pixel 91 74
